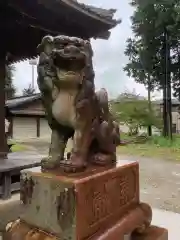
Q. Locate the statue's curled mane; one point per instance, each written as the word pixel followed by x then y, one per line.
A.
pixel 66 82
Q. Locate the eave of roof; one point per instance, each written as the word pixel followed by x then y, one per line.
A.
pixel 33 24
pixel 100 14
pixel 28 112
pixel 103 16
pixel 18 101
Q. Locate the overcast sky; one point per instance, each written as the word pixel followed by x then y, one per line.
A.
pixel 109 58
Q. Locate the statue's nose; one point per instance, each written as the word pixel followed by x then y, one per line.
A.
pixel 54 53
pixel 70 49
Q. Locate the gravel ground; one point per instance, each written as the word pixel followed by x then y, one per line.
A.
pixel 159 182
pixel 159 179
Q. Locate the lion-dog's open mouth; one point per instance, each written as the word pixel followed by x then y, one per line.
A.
pixel 70 59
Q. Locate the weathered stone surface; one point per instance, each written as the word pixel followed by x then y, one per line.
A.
pixel 79 205
pixel 74 109
pixel 20 230
pixel 49 202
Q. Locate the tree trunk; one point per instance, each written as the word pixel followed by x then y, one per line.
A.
pixel 168 85
pixel 149 104
pixel 164 87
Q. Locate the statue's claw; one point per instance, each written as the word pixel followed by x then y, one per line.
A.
pixel 49 163
pixel 74 164
pixel 103 159
pixel 69 167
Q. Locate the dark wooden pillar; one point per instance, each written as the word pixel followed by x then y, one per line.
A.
pixel 38 127
pixel 11 127
pixel 3 142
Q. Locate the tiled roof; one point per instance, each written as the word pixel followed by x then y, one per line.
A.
pixel 29 112
pixel 129 98
pixel 86 21
pixel 17 101
pixel 174 101
pixel 102 13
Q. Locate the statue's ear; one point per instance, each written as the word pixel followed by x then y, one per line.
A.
pixel 39 48
pixel 48 47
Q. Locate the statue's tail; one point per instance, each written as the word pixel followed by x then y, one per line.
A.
pixel 102 97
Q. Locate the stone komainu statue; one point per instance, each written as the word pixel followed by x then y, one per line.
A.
pixel 74 110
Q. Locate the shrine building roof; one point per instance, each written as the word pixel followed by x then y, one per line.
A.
pixel 24 23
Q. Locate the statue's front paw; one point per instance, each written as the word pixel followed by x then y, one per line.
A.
pixel 74 163
pixel 49 163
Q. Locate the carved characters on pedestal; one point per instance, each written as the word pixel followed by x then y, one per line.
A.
pixel 106 199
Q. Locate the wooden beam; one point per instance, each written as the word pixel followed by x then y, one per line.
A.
pixel 3 141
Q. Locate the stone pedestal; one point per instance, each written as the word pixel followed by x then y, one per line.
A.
pixel 100 203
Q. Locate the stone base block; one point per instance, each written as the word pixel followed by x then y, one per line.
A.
pixel 21 230
pixel 100 203
pixel 76 206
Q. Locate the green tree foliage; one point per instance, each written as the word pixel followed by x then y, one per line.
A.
pixel 146 51
pixel 9 86
pixel 133 110
pixel 28 91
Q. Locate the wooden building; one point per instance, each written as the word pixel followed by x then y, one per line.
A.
pixel 175 113
pixel 27 119
pixel 24 23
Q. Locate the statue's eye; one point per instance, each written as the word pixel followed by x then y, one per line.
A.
pixel 59 46
pixel 79 45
